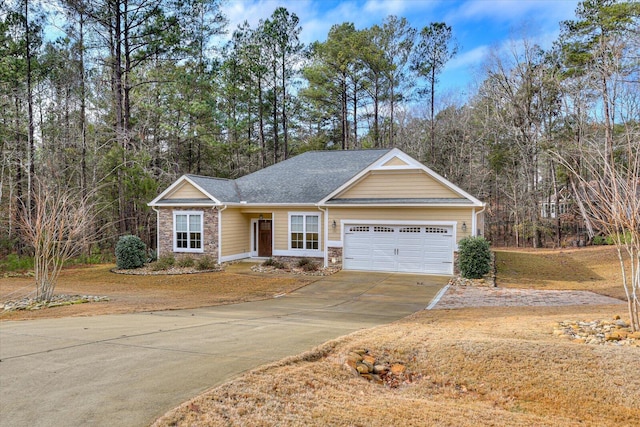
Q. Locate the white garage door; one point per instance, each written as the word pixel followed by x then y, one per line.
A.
pixel 403 248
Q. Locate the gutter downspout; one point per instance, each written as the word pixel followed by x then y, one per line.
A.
pixel 223 207
pixel 325 235
pixel 475 220
pixel 157 231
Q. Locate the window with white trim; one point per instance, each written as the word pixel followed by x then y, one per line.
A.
pixel 187 231
pixel 304 231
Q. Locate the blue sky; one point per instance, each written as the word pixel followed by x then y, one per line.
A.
pixel 478 25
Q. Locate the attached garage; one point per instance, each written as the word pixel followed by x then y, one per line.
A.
pixel 409 248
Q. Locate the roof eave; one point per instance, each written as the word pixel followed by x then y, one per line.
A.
pixel 183 204
pixel 392 205
pixel 177 182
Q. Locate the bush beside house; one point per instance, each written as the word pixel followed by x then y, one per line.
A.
pixel 474 257
pixel 131 252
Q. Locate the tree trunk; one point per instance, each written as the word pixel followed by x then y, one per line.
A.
pixel 355 114
pixel 376 125
pixel 432 127
pixel 263 148
pixel 83 114
pixel 31 147
pixel 285 142
pixel 276 141
pixel 343 113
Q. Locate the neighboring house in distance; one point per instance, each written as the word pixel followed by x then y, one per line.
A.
pixel 555 206
pixel 378 210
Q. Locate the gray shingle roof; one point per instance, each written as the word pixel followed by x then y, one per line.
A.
pixel 306 178
pixel 225 190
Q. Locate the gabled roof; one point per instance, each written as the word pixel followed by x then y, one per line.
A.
pixel 314 177
pixel 306 178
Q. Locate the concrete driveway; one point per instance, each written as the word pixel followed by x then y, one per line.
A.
pixel 127 370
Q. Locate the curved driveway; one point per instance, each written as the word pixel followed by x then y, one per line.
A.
pixel 126 370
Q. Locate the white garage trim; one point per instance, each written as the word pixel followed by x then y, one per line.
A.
pixel 399 246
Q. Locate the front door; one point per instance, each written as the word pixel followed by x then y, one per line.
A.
pixel 264 238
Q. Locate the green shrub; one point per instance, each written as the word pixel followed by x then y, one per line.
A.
pixel 625 238
pixel 13 262
pixel 156 266
pixel 273 263
pixel 131 252
pixel 206 262
pixel 152 255
pixel 474 257
pixel 164 262
pixel 307 264
pixel 186 261
pixel 599 240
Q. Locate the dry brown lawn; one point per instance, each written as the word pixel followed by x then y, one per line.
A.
pixel 594 268
pixel 490 366
pixel 482 366
pixel 135 293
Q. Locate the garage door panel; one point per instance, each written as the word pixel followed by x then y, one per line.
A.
pixel 383 256
pixel 405 248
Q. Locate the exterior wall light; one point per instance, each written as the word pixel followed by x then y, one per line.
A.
pixel 464 227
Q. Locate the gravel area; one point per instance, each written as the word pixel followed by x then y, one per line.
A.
pixel 479 296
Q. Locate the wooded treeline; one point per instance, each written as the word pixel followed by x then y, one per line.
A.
pixel 135 93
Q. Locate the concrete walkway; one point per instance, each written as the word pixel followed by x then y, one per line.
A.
pixel 470 296
pixel 126 370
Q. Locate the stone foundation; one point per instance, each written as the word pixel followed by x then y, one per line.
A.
pixel 335 254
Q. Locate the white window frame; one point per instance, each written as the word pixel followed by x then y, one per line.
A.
pixel 189 231
pixel 304 251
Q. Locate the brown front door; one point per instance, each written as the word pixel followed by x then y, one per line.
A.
pixel 264 238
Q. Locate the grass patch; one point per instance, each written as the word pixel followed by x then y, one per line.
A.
pixel 593 268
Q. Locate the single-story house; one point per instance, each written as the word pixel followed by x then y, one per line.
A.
pixel 376 210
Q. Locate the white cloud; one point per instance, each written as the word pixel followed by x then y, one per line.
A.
pixel 385 7
pixel 513 10
pixel 469 58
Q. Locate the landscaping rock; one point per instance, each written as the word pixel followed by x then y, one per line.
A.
pixel 56 301
pixel 362 363
pixel 598 332
pixel 290 265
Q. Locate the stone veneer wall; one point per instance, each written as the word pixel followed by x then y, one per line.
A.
pixel 210 231
pixel 337 254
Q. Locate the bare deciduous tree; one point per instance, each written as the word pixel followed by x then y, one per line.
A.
pixel 609 194
pixel 59 227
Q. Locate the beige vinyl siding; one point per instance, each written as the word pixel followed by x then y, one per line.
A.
pixel 281 226
pixel 186 191
pixel 400 214
pixel 395 162
pixel 397 184
pixel 236 232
